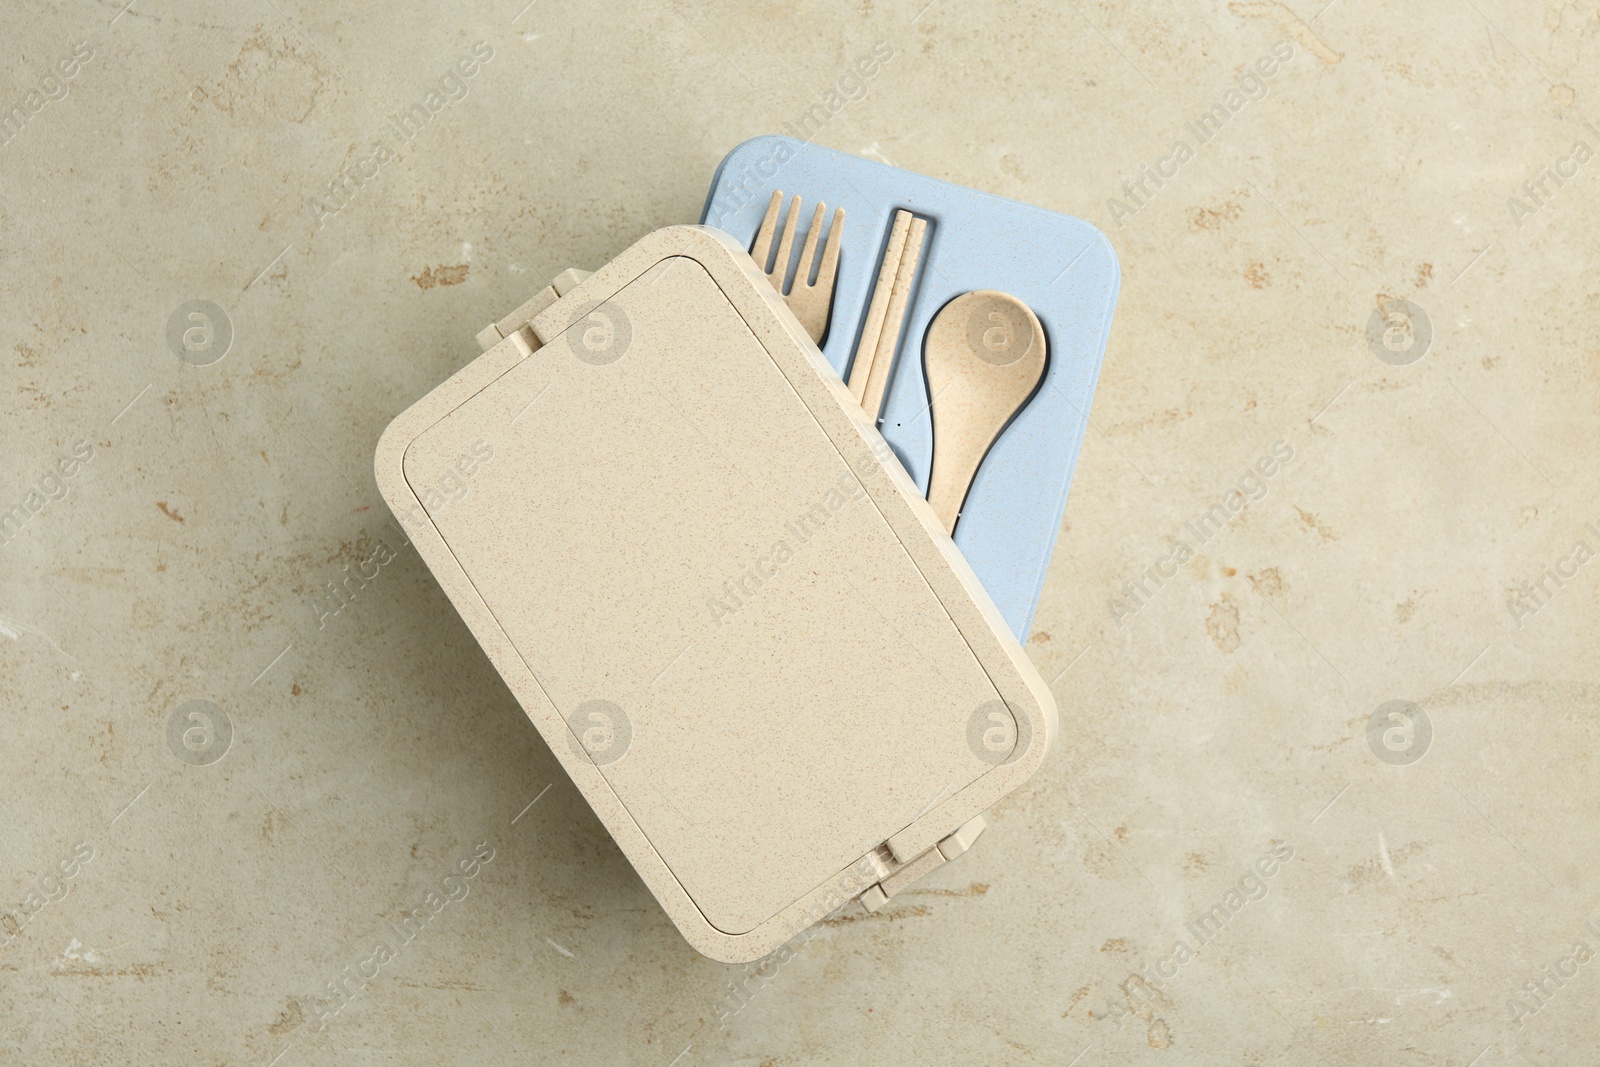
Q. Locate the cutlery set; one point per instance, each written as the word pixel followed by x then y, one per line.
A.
pixel 880 334
pixel 809 300
pixel 969 329
pixel 984 354
pixel 985 357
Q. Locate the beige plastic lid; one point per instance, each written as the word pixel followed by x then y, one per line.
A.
pixel 716 593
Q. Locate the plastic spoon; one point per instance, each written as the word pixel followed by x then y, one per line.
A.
pixel 984 357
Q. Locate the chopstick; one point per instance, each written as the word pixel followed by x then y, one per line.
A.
pixel 867 347
pixel 893 322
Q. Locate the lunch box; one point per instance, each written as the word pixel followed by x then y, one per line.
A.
pixel 712 581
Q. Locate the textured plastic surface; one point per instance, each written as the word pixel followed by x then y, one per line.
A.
pixel 724 606
pixel 1061 267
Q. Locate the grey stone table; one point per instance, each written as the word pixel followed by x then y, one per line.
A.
pixel 1321 621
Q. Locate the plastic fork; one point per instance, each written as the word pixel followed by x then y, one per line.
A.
pixel 810 301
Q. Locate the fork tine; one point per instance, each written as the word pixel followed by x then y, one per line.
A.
pixel 802 273
pixel 830 251
pixel 780 266
pixel 762 250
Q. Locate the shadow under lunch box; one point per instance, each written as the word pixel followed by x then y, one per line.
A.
pixel 718 595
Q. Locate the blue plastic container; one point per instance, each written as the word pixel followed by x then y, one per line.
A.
pixel 1062 267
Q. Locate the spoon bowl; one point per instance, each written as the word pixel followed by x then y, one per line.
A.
pixel 984 358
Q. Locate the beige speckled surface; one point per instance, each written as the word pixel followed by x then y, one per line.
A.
pixel 373 749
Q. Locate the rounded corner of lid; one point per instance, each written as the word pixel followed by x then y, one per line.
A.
pixel 1044 716
pixel 389 458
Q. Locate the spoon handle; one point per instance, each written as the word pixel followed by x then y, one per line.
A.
pixel 958 451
